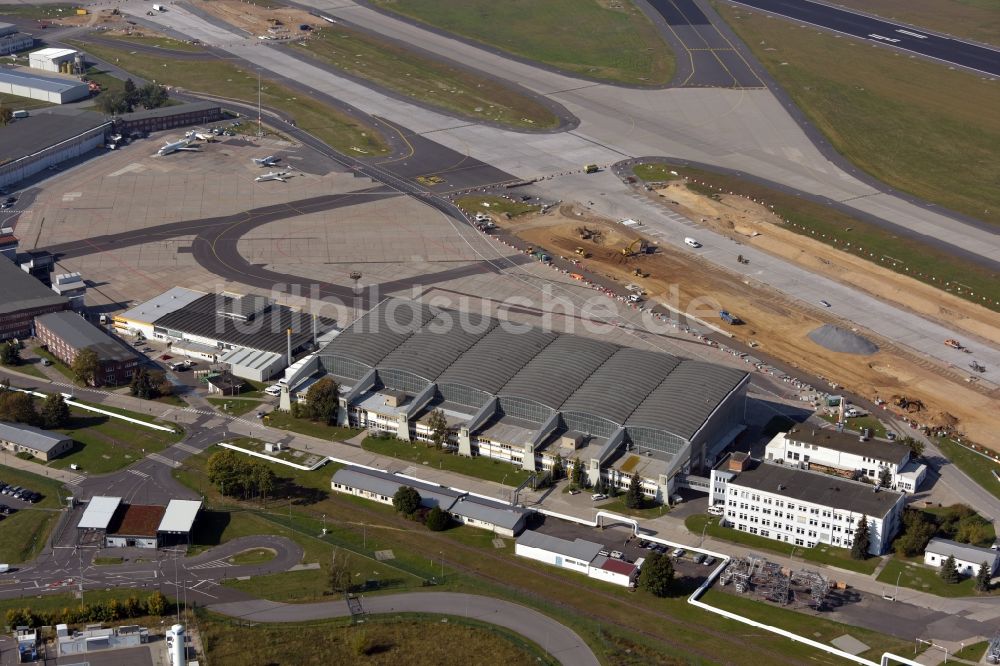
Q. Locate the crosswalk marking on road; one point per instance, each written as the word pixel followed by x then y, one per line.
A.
pixel 76 480
pixel 163 459
pixel 186 447
pixel 213 564
pixel 138 473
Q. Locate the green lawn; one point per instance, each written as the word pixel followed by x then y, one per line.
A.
pixel 166 43
pixel 978 467
pixel 871 102
pixel 234 406
pixel 402 640
pixel 58 365
pixel 225 80
pixel 285 421
pixel 654 172
pixel 618 506
pixel 18 103
pixel 253 556
pixel 23 534
pixel 969 19
pixel 496 205
pixel 600 40
pixel 104 444
pixel 24 10
pixel 828 225
pixel 859 423
pixel 453 89
pixel 29 367
pixel 420 454
pixel 973 652
pixel 821 554
pixel 806 624
pixel 914 575
pixel 630 627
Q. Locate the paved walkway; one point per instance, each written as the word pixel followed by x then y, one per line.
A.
pixel 557 639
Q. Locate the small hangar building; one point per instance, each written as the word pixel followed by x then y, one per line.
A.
pixel 115 524
pixel 53 89
pixel 529 396
pixel 52 59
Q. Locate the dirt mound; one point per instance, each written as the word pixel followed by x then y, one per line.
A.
pixel 841 340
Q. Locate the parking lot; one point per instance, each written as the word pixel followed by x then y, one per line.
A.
pixel 619 538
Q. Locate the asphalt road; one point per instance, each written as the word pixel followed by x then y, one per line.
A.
pixel 897 35
pixel 556 639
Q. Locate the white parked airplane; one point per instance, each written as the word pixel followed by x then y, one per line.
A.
pixel 268 161
pixel 183 144
pixel 272 175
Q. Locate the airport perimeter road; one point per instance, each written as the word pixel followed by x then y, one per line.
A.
pixel 556 639
pixel 897 35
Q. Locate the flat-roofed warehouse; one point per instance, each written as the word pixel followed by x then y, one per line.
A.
pixel 11 40
pixel 528 396
pixel 46 138
pixel 24 298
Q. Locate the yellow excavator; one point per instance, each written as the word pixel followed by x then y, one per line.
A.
pixel 638 244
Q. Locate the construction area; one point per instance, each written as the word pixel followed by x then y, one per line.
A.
pixel 950 399
pixel 265 22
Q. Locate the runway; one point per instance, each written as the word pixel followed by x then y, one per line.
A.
pixel 896 35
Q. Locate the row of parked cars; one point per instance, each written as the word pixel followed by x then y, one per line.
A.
pixel 678 553
pixel 19 493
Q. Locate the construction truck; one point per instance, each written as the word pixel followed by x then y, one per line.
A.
pixel 639 273
pixel 729 318
pixel 582 252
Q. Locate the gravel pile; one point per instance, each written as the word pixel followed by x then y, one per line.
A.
pixel 841 340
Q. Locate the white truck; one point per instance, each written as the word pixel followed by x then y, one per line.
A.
pixel 159 8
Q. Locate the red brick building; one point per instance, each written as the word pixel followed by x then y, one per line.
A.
pixel 22 298
pixel 66 334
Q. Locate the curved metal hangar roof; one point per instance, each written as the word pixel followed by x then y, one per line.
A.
pixel 561 372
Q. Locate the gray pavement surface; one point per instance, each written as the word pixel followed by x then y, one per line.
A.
pixel 556 639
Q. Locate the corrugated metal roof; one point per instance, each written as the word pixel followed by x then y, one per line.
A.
pixel 99 512
pixel 379 331
pixel 558 370
pixel 578 549
pixel 250 358
pixel 79 334
pixel 621 384
pixel 179 516
pixel 494 513
pixel 51 52
pixel 428 352
pixel 686 397
pixel 35 438
pixel 498 356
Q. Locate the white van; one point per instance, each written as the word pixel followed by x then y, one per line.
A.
pixel 692 242
pixel 4 568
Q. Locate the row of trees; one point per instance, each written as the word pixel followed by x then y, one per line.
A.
pixel 239 476
pixel 18 407
pixel 154 605
pixel 148 96
pixel 407 501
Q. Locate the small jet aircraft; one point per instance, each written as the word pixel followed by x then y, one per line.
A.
pixel 272 175
pixel 173 147
pixel 268 161
pixel 207 137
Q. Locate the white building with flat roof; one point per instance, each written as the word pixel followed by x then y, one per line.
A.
pixel 801 507
pixel 968 558
pixel 51 59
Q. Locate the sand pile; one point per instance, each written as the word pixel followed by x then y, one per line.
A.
pixel 841 340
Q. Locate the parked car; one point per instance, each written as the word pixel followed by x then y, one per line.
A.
pixel 597 497
pixel 709 561
pixel 273 390
pixel 678 552
pixel 716 510
pixel 699 558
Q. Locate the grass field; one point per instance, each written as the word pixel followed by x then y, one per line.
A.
pixel 104 444
pixel 978 467
pixel 253 556
pixel 166 43
pixel 420 454
pixel 617 505
pixel 401 640
pixel 621 626
pixel 285 421
pixel 973 652
pixel 969 19
pixel 611 41
pixel 452 89
pixel 219 78
pixel 24 10
pixel 823 554
pixel 849 234
pixel 23 534
pixel 914 575
pixel 234 406
pixel 871 103
pixel 497 205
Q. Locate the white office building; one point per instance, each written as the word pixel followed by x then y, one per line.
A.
pixel 582 556
pixel 801 507
pixel 968 558
pixel 846 454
